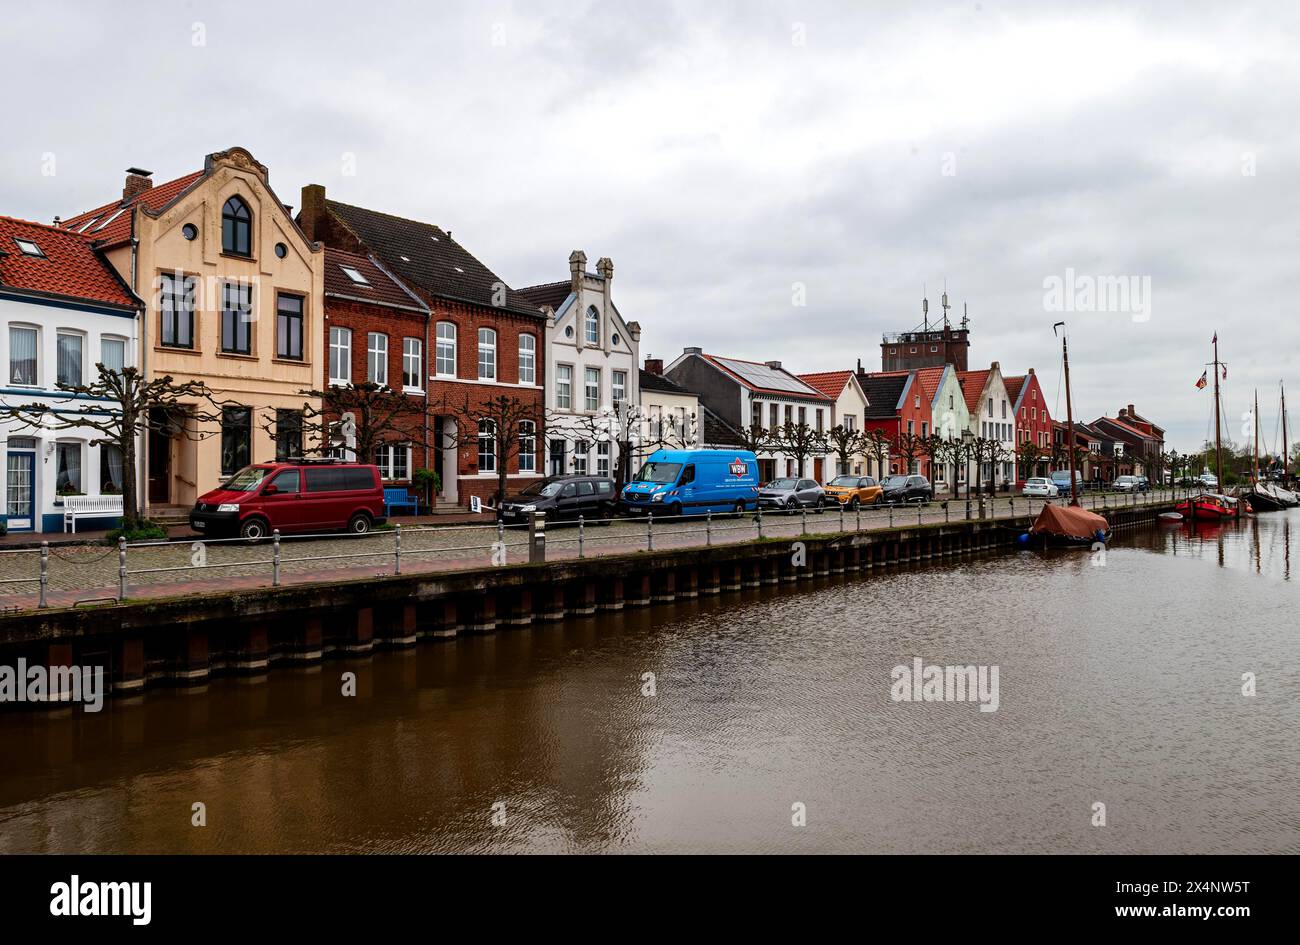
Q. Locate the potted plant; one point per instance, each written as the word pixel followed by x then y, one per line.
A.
pixel 427 484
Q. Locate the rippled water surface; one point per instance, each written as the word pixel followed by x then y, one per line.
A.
pixel 1120 682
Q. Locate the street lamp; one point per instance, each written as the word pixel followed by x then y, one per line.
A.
pixel 967 440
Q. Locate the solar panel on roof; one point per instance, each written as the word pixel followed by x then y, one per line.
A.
pixel 760 375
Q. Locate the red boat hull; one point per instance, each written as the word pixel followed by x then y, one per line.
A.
pixel 1206 509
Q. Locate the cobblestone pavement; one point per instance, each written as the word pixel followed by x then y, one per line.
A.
pixel 85 573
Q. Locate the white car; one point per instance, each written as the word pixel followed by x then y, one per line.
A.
pixel 1042 488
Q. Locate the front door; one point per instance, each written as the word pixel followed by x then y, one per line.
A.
pixel 160 461
pixel 20 475
pixel 818 469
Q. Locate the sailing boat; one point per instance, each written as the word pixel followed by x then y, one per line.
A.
pixel 1259 496
pixel 1072 524
pixel 1212 506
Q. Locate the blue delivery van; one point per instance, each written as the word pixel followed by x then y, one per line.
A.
pixel 692 482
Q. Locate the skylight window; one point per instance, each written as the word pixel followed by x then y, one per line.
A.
pixel 406 259
pixel 354 275
pixel 458 269
pixel 29 248
pixel 109 220
pixel 91 222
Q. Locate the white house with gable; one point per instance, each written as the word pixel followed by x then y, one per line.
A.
pixel 593 388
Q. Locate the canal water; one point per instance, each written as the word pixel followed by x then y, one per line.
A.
pixel 1120 682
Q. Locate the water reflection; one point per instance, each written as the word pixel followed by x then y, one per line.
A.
pixel 1120 683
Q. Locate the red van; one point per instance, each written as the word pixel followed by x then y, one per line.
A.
pixel 300 496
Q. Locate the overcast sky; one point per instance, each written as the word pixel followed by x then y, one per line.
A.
pixel 722 154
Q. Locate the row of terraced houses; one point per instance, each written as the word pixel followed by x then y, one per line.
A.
pixel 211 277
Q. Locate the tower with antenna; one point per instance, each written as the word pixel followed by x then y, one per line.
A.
pixel 928 345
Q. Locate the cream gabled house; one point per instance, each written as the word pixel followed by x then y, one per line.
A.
pixel 234 293
pixel 593 387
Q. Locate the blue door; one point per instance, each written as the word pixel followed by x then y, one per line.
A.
pixel 20 491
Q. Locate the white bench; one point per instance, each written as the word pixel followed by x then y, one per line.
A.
pixel 89 506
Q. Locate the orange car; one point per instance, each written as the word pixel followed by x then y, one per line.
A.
pixel 853 491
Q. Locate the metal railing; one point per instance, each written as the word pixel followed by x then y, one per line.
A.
pixel 402 544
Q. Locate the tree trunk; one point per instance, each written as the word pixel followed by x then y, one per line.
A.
pixel 130 474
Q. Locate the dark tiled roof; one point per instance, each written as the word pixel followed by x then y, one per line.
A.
pixel 883 391
pixel 381 290
pixel 552 294
pixel 70 268
pixel 155 198
pixel 427 258
pixel 718 432
pixel 659 382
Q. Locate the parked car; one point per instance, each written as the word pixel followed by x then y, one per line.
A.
pixel 853 491
pixel 1144 484
pixel 1207 481
pixel 1061 479
pixel 906 489
pixel 1126 484
pixel 1040 487
pixel 562 497
pixel 301 496
pixel 692 482
pixel 791 494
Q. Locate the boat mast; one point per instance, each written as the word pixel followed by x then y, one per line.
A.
pixel 1218 431
pixel 1256 426
pixel 1286 445
pixel 1069 414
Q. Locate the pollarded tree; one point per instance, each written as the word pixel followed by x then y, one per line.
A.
pixel 798 441
pixel 910 447
pixel 845 444
pixel 500 428
pixel 876 443
pixel 379 415
pixel 136 406
pixel 1029 455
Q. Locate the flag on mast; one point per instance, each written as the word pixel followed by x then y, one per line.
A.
pixel 1200 385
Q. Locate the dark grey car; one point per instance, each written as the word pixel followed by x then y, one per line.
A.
pixel 791 494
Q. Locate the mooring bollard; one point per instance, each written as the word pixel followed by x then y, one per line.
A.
pixel 918 513
pixel 45 570
pixel 891 516
pixel 275 558
pixel 708 528
pixel 397 550
pixel 803 519
pixel 650 531
pixel 537 538
pixel 581 534
pixel 121 569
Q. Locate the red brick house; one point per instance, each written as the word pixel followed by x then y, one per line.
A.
pixel 377 331
pixel 485 340
pixel 900 402
pixel 1033 420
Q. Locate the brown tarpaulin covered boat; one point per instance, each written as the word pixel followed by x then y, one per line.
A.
pixel 1069 523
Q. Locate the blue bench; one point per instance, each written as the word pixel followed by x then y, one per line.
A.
pixel 399 499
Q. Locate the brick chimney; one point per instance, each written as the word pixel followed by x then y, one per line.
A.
pixel 1131 411
pixel 654 366
pixel 774 365
pixel 312 213
pixel 137 182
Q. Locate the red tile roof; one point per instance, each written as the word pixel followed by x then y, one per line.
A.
pixel 382 289
pixel 119 229
pixel 972 385
pixel 929 379
pixel 70 268
pixel 830 383
pixel 1013 385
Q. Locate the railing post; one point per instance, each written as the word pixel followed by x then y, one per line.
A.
pixel 891 516
pixel 581 533
pixel 918 513
pixel 841 516
pixel 947 514
pixel 759 520
pixel 397 549
pixel 708 528
pixel 45 571
pixel 650 531
pixel 275 557
pixel 803 519
pixel 121 569
pixel 857 518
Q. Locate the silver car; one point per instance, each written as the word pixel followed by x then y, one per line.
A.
pixel 791 494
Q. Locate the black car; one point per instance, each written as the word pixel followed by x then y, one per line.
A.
pixel 562 497
pixel 906 489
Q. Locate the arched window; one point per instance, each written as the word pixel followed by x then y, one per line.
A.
pixel 487 446
pixel 236 228
pixel 591 329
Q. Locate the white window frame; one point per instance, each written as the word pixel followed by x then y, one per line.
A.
pixel 618 386
pixel 580 450
pixel 377 358
pixel 488 436
pixel 602 458
pixel 115 339
pixel 527 446
pixel 413 364
pixel 340 348
pixel 36 330
pixel 591 326
pixel 445 349
pixel 386 459
pixel 487 354
pixel 589 402
pixel 563 387
pixel 527 359
pixel 80 336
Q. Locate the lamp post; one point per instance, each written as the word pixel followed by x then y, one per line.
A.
pixel 967 440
